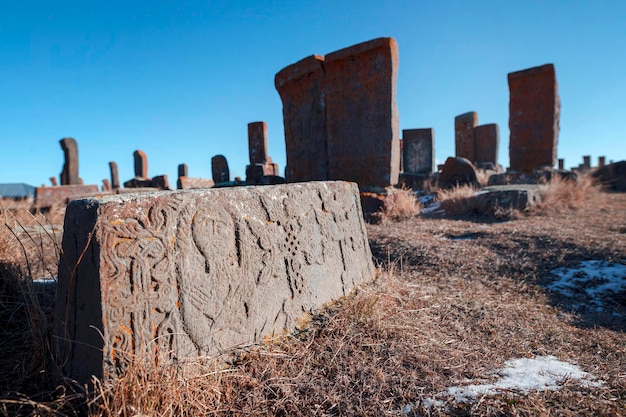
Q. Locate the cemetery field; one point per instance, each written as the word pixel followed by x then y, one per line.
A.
pixel 469 315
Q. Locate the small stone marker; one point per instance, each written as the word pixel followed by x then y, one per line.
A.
pixel 487 139
pixel 260 162
pixel 106 185
pixel 362 115
pixel 302 89
pixel 53 181
pixel 418 151
pixel 561 164
pixel 169 277
pixel 115 178
pixel 601 161
pixel 183 170
pixel 587 162
pixel 457 172
pixel 219 169
pixel 69 175
pixel 534 109
pixel 465 143
pixel 141 164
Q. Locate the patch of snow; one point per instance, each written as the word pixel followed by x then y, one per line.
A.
pixel 593 280
pixel 432 208
pixel 525 375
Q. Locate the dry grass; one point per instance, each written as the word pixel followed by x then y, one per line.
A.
pixel 455 300
pixel 400 205
pixel 560 194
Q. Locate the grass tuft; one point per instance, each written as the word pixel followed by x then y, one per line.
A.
pixel 400 205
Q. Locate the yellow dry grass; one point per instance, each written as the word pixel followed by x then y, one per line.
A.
pixel 401 205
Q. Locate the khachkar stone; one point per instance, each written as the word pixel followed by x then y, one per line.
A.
pixel 487 139
pixel 362 115
pixel 183 170
pixel 418 151
pixel 69 175
pixel 115 178
pixel 302 89
pixel 219 169
pixel 465 143
pixel 168 277
pixel 141 164
pixel 534 109
pixel 260 163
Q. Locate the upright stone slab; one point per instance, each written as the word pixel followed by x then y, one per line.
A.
pixel 168 277
pixel 257 143
pixel 465 143
pixel 362 115
pixel 302 89
pixel 115 177
pixel 419 151
pixel 487 139
pixel 561 164
pixel 69 175
pixel 219 169
pixel 141 164
pixel 534 109
pixel 183 170
pixel 601 161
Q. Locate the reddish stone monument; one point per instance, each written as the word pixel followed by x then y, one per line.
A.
pixel 183 170
pixel 419 151
pixel 260 163
pixel 534 109
pixel 219 169
pixel 302 89
pixel 487 139
pixel 362 115
pixel 69 175
pixel 601 161
pixel 465 143
pixel 141 164
pixel 115 178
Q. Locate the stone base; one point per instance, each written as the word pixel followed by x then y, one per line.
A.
pixel 46 197
pixel 517 197
pixel 188 183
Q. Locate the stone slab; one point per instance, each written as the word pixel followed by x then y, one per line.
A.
pixel 418 151
pixel 487 139
pixel 465 143
pixel 189 183
pixel 48 196
pixel 173 276
pixel 534 109
pixel 519 196
pixel 362 115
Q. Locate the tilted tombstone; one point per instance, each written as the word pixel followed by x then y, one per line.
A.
pixel 464 140
pixel 302 89
pixel 487 139
pixel 219 169
pixel 115 178
pixel 534 109
pixel 418 151
pixel 362 115
pixel 69 175
pixel 170 277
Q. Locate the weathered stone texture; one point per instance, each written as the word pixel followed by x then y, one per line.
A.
pixel 302 89
pixel 457 172
pixel 534 109
pixel 69 175
pixel 115 177
pixel 49 196
pixel 219 169
pixel 362 116
pixel 487 138
pixel 418 151
pixel 464 140
pixel 173 276
pixel 188 183
pixel 257 143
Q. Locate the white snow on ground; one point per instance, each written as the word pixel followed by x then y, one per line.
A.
pixel 591 280
pixel 524 375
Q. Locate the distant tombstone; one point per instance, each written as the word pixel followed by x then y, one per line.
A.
pixel 464 140
pixel 601 161
pixel 362 116
pixel 160 182
pixel 69 175
pixel 219 169
pixel 418 151
pixel 534 109
pixel 457 172
pixel 106 185
pixel 302 89
pixel 487 139
pixel 561 164
pixel 183 171
pixel 53 181
pixel 115 178
pixel 257 143
pixel 587 162
pixel 141 164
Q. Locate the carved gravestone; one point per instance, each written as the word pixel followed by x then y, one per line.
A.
pixel 418 151
pixel 115 178
pixel 362 115
pixel 534 109
pixel 69 175
pixel 141 164
pixel 465 143
pixel 487 138
pixel 302 89
pixel 183 170
pixel 170 277
pixel 219 169
pixel 260 163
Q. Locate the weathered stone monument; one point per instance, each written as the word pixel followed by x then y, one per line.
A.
pixel 219 169
pixel 69 174
pixel 185 182
pixel 419 151
pixel 457 172
pixel 534 109
pixel 183 170
pixel 141 179
pixel 341 117
pixel 260 162
pixel 115 177
pixel 487 139
pixel 561 164
pixel 465 143
pixel 601 161
pixel 586 162
pixel 170 277
pixel 302 89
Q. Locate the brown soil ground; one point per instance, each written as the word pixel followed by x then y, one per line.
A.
pixel 455 299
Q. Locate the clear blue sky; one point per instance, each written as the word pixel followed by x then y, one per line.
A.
pixel 181 80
